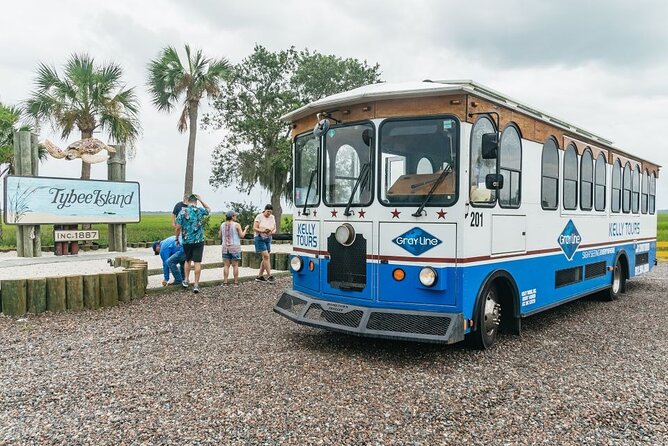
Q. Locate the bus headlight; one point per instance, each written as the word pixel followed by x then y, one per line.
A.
pixel 296 263
pixel 428 276
pixel 345 234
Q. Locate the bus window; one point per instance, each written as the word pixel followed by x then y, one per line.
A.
pixel 348 155
pixel 645 191
pixel 635 190
pixel 652 193
pixel 586 180
pixel 307 153
pixel 414 154
pixel 550 181
pixel 480 168
pixel 600 180
pixel 570 178
pixel 626 189
pixel 510 166
pixel 616 186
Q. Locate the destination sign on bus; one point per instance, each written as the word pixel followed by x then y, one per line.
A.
pixel 306 235
pixel 620 229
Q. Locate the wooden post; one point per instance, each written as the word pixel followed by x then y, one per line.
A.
pixel 108 290
pixel 75 292
pixel 116 172
pixel 34 171
pixel 36 294
pixel 91 286
pixel 123 285
pixel 56 298
pixel 14 297
pixel 134 277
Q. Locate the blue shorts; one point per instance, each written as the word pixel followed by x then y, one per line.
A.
pixel 231 256
pixel 262 244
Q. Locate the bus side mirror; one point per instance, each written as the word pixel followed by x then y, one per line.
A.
pixel 490 145
pixel 494 181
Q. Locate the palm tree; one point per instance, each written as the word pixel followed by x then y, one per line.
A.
pixel 170 79
pixel 88 97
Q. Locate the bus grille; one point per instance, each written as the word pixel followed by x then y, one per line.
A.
pixel 346 269
pixel 408 323
pixel 595 270
pixel 349 319
pixel 567 276
pixel 291 303
pixel 642 259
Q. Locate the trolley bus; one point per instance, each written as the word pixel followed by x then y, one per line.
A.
pixel 444 211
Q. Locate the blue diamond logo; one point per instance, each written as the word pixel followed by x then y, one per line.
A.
pixel 417 241
pixel 569 240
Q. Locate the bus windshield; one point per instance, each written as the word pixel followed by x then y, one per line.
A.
pixel 413 154
pixel 306 177
pixel 348 155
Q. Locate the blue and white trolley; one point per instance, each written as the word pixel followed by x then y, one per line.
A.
pixel 439 211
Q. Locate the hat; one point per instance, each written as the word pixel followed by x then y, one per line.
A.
pixel 230 214
pixel 155 245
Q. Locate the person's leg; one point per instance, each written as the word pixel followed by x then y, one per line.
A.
pixel 265 262
pixel 198 252
pixel 226 270
pixel 260 248
pixel 173 265
pixel 198 271
pixel 235 271
pixel 186 277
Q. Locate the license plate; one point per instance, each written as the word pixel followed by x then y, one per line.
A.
pixel 337 308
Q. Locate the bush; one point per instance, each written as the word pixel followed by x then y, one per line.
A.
pixel 286 224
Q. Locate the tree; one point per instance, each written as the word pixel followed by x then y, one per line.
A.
pixel 9 118
pixel 169 79
pixel 89 98
pixel 262 88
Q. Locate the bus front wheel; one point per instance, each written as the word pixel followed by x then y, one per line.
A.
pixel 488 320
pixel 618 281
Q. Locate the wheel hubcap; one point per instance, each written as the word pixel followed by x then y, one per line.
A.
pixel 616 279
pixel 492 313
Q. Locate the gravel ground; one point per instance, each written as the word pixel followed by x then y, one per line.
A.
pixel 222 368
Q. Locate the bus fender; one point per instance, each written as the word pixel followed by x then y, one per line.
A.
pixel 623 257
pixel 514 324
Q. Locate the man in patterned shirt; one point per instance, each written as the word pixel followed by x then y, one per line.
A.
pixel 190 225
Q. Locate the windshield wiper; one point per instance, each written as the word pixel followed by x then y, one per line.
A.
pixel 438 181
pixel 308 192
pixel 362 176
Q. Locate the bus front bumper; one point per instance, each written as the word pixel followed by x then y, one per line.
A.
pixel 422 326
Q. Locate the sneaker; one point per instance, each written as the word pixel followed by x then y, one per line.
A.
pixel 270 279
pixel 260 279
pixel 195 289
pixel 184 284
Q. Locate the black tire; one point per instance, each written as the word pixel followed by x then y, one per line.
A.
pixel 488 321
pixel 618 283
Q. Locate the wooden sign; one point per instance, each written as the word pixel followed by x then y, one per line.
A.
pixel 45 200
pixel 76 236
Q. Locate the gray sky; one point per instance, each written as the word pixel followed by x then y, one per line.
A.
pixel 601 65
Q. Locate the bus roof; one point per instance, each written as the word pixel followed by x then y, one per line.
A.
pixel 385 91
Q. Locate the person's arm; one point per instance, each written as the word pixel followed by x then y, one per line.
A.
pixel 173 220
pixel 220 232
pixel 206 206
pixel 256 224
pixel 164 255
pixel 178 233
pixel 242 232
pixel 273 228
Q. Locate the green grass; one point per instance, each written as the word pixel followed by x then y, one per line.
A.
pixel 153 226
pixel 662 228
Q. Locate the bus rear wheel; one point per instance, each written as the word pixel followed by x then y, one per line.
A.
pixel 488 321
pixel 618 281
